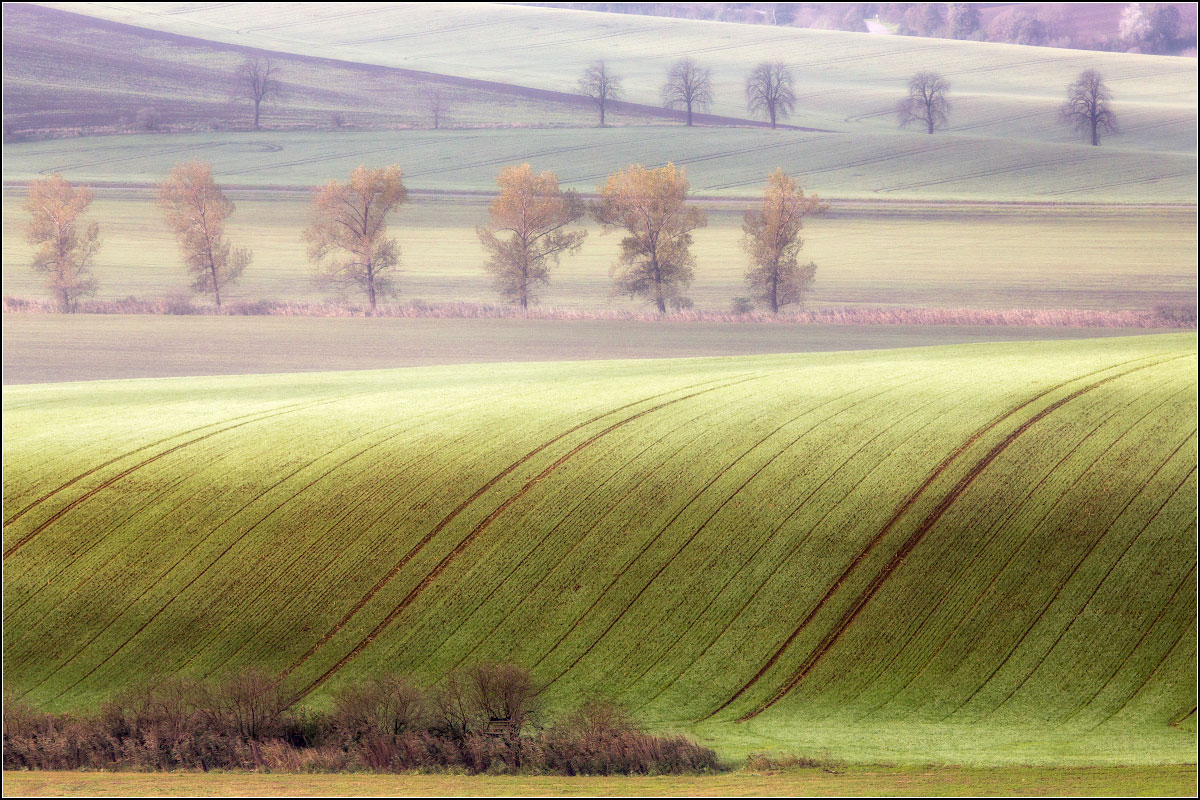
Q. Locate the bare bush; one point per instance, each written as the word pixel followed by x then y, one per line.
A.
pixel 385 705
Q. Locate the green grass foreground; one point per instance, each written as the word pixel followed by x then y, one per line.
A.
pixel 972 554
pixel 1167 781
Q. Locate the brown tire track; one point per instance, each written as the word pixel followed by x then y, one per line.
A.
pixel 727 500
pixel 895 518
pixel 914 539
pixel 17 515
pixel 995 530
pixel 462 545
pixel 196 545
pixel 93 492
pixel 449 518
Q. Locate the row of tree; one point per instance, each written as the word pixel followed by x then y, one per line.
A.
pixel 533 224
pixel 770 92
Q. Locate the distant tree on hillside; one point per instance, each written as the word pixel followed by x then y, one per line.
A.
pixel 65 245
pixel 347 237
pixel 962 20
pixel 651 206
pixel 772 239
pixel 258 82
pixel 687 85
pixel 926 102
pixel 601 86
pixel 436 105
pixel 196 210
pixel 529 232
pixel 1088 108
pixel 770 90
pixel 922 19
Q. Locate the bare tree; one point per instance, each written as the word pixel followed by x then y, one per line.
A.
pixel 772 239
pixel 347 237
pixel 258 82
pixel 687 85
pixel 385 705
pixel 926 102
pixel 65 245
pixel 770 90
pixel 601 86
pixel 534 213
pixel 196 210
pixel 651 205
pixel 436 106
pixel 1088 108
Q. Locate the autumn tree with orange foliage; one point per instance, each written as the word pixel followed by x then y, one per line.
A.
pixel 65 246
pixel 651 205
pixel 196 210
pixel 772 239
pixel 347 237
pixel 528 233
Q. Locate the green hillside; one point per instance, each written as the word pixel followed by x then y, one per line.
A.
pixel 959 553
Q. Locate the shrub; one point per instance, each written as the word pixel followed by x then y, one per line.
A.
pixel 147 119
pixel 741 306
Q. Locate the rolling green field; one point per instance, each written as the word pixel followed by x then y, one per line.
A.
pixel 1094 258
pixel 959 782
pixel 978 554
pixel 844 80
pixel 721 162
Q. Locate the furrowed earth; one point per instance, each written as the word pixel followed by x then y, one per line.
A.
pixel 971 554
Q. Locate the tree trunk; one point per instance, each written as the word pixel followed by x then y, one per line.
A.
pixel 1095 134
pixel 256 104
pixel 601 113
pixel 371 290
pixel 771 109
pixel 931 124
pixel 775 291
pixel 689 122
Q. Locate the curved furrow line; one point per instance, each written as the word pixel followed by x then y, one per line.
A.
pixel 767 540
pixel 847 619
pixel 219 556
pixel 124 473
pixel 470 537
pixel 904 507
pixel 1184 630
pixel 1108 572
pixel 53 578
pixel 449 518
pixel 17 515
pixel 994 531
pixel 596 486
pixel 1161 612
pixel 578 542
pixel 807 431
pixel 737 491
pixel 348 542
pixel 1061 585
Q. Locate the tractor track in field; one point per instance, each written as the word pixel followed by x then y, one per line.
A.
pixel 915 538
pixel 993 532
pixel 722 505
pixel 594 488
pixel 904 507
pixel 1127 182
pixel 1166 653
pixel 1062 634
pixel 309 550
pixel 449 518
pixel 876 159
pixel 578 542
pixel 770 537
pixel 653 539
pixel 483 525
pixel 1061 584
pixel 17 515
pixel 104 485
pixel 201 541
